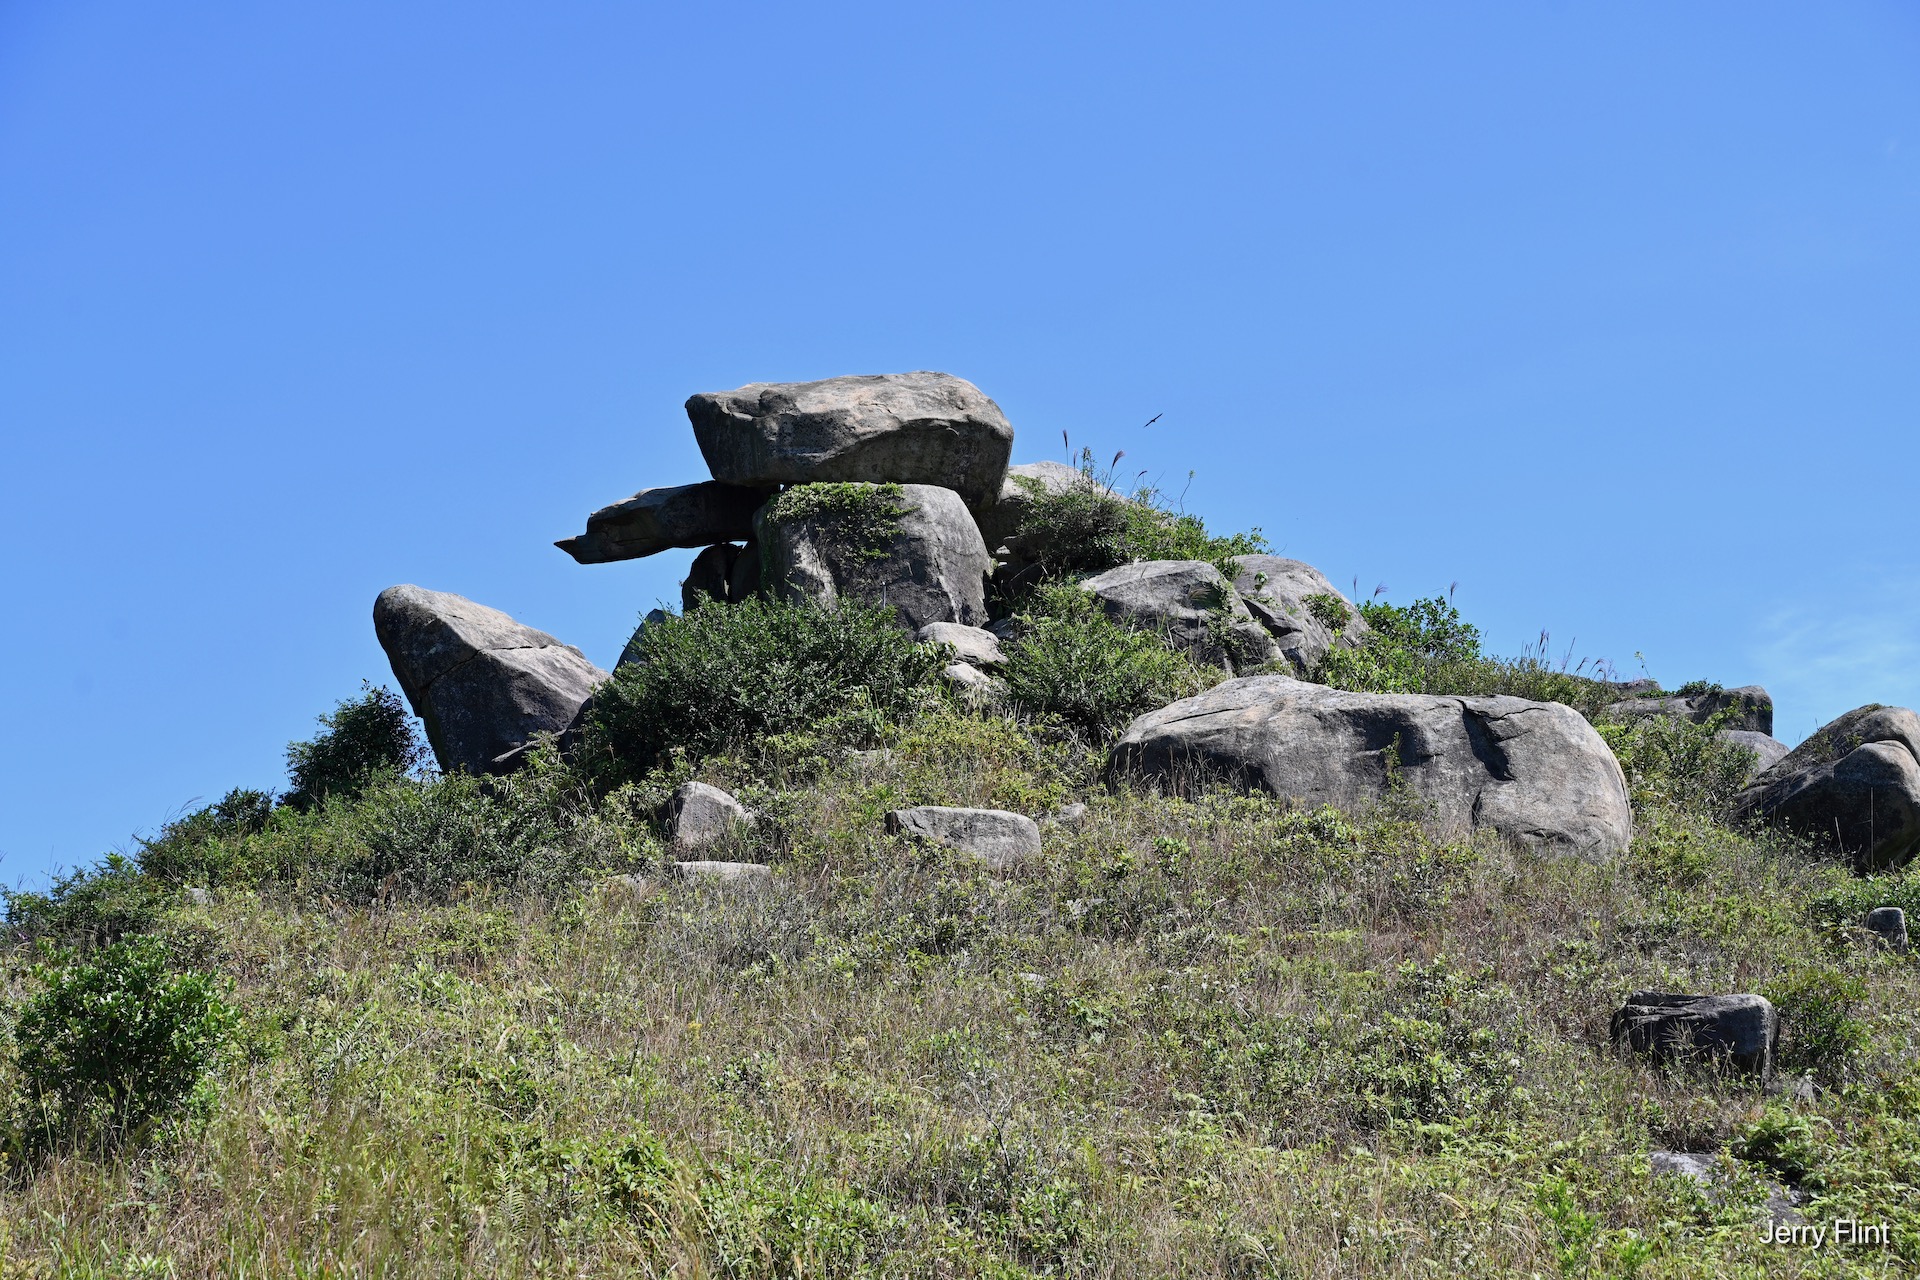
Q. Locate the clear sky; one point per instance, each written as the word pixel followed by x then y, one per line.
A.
pixel 1608 312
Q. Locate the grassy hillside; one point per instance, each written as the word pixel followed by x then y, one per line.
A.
pixel 423 1030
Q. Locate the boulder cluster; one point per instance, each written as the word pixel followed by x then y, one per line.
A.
pixel 897 490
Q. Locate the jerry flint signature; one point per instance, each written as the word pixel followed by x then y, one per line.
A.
pixel 1848 1231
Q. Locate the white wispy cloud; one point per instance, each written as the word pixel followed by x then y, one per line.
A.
pixel 1825 658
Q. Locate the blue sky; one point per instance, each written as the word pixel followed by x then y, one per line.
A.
pixel 1609 313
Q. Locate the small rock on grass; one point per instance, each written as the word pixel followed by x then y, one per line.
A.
pixel 725 872
pixel 700 815
pixel 993 835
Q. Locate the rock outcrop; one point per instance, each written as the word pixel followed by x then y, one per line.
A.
pixel 1854 785
pixel 1304 613
pixel 1767 750
pixel 1534 771
pixel 701 815
pixel 1739 1032
pixel 1889 924
pixel 904 428
pixel 1751 708
pixel 654 520
pixel 482 683
pixel 993 835
pixel 973 645
pixel 913 547
pixel 1000 522
pixel 1191 604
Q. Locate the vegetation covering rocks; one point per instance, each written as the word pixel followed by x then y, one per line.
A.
pixel 416 1021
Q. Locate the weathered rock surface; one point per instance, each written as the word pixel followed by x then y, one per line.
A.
pixel 1534 771
pixel 710 577
pixel 974 645
pixel 653 520
pixel 970 680
pixel 1000 522
pixel 1854 784
pixel 483 683
pixel 1767 750
pixel 931 566
pixel 700 815
pixel 1738 1031
pixel 1715 1174
pixel 1281 595
pixel 994 835
pixel 1190 603
pixel 724 872
pixel 1889 924
pixel 1751 705
pixel 907 428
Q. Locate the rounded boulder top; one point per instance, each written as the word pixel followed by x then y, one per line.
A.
pixel 900 428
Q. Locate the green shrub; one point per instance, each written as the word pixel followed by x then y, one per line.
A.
pixel 86 909
pixel 426 838
pixel 114 1041
pixel 194 848
pixel 1091 527
pixel 361 739
pixel 1427 647
pixel 1075 665
pixel 1676 762
pixel 724 677
pixel 1818 1029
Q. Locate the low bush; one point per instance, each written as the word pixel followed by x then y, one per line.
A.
pixel 195 848
pixel 112 1042
pixel 86 909
pixel 1078 667
pixel 361 739
pixel 1427 647
pixel 1678 763
pixel 1091 527
pixel 726 676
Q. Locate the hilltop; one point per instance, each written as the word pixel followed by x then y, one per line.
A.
pixel 988 871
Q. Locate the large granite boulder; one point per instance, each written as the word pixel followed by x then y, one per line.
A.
pixel 910 546
pixel 483 683
pixel 710 577
pixel 1767 750
pixel 1534 771
pixel 1751 708
pixel 904 428
pixel 653 520
pixel 1304 613
pixel 1854 785
pixel 1191 604
pixel 1001 520
pixel 1739 1032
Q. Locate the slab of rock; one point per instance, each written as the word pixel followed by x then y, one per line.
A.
pixel 929 564
pixel 1534 771
pixel 710 578
pixel 1000 521
pixel 1304 613
pixel 632 650
pixel 482 683
pixel 654 520
pixel 1889 924
pixel 700 815
pixel 1191 604
pixel 1714 1174
pixel 1751 705
pixel 974 645
pixel 724 872
pixel 1854 785
pixel 1767 749
pixel 904 428
pixel 1739 1032
pixel 971 681
pixel 993 835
